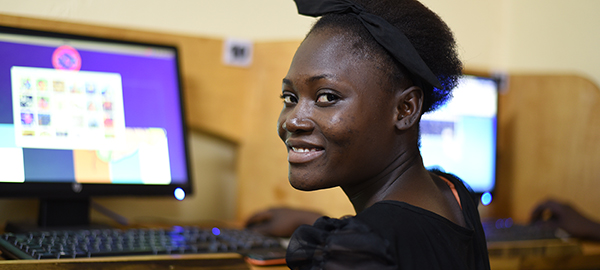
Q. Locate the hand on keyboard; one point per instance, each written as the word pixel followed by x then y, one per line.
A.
pixel 561 215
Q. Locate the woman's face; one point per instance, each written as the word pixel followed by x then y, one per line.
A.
pixel 337 122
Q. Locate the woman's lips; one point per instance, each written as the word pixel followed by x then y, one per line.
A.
pixel 303 155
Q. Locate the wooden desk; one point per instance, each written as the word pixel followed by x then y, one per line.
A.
pixel 231 261
pixel 589 259
pixel 220 261
pixel 223 261
pixel 577 262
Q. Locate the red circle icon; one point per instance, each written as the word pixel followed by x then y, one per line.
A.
pixel 67 58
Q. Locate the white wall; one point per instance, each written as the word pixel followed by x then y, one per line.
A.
pixel 505 35
pixel 535 36
pixel 561 36
pixel 255 19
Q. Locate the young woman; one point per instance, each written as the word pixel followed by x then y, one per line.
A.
pixel 353 97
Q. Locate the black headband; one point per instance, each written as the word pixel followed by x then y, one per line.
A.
pixel 387 35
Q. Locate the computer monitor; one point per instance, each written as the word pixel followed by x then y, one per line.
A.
pixel 460 137
pixel 84 116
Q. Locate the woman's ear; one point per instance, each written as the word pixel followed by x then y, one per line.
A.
pixel 409 103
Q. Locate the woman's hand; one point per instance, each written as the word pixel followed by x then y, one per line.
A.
pixel 561 215
pixel 280 222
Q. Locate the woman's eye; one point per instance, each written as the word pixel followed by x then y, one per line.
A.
pixel 288 99
pixel 327 98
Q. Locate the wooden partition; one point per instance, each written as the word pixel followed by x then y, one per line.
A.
pixel 549 144
pixel 549 126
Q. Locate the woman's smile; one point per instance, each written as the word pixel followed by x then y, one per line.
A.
pixel 303 151
pixel 298 155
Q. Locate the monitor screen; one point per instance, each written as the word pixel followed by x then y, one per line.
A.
pixel 460 137
pixel 83 116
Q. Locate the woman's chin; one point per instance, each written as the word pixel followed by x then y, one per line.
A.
pixel 305 185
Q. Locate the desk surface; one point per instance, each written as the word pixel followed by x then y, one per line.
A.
pixel 222 261
pixel 225 261
pixel 589 259
pixel 579 262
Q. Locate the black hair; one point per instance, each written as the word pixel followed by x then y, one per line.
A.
pixel 430 36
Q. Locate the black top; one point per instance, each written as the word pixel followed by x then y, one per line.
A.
pixel 393 235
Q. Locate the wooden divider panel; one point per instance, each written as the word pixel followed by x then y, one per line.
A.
pixel 549 143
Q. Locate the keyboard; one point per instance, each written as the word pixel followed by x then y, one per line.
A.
pixel 59 244
pixel 505 230
pixel 505 239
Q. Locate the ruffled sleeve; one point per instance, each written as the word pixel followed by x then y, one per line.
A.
pixel 338 244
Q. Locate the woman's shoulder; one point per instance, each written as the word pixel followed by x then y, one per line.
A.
pixel 347 243
pixel 405 222
pixel 464 190
pixel 381 237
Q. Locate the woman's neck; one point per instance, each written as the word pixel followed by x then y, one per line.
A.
pixel 407 180
pixel 404 175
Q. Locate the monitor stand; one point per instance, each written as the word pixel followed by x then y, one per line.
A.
pixel 58 214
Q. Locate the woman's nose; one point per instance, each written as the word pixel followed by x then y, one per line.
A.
pixel 298 120
pixel 297 125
